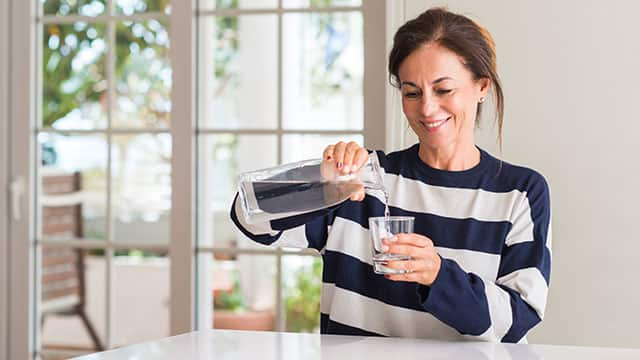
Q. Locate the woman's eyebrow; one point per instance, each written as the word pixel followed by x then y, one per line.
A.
pixel 436 81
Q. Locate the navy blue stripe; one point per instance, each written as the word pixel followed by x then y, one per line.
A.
pixel 264 239
pixel 328 326
pixel 523 317
pixel 458 299
pixel 351 274
pixel 530 254
pixel 490 175
pixel 465 234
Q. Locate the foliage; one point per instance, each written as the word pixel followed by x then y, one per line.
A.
pixel 74 55
pixel 230 299
pixel 302 303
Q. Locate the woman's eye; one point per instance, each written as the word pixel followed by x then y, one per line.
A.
pixel 412 95
pixel 443 91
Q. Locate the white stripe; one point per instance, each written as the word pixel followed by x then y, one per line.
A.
pixel 531 285
pixel 456 203
pixel 350 238
pixel 482 264
pixel 295 238
pixel 499 310
pixel 522 229
pixel 353 309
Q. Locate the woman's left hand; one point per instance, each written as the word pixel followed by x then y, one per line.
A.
pixel 425 263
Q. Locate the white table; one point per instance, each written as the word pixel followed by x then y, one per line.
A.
pixel 256 345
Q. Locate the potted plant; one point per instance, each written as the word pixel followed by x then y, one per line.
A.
pixel 230 311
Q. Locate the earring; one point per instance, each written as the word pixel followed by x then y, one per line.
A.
pixel 481 100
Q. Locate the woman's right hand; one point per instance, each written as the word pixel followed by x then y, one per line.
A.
pixel 343 159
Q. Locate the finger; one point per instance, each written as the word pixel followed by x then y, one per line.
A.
pixel 349 154
pixel 406 266
pixel 327 154
pixel 412 239
pixel 359 195
pixel 338 154
pixel 360 158
pixel 409 277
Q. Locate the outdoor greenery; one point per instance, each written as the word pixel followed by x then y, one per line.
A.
pixel 302 300
pixel 74 61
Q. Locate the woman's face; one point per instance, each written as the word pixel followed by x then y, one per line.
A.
pixel 440 97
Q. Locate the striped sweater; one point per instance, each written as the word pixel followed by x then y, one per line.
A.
pixel 490 225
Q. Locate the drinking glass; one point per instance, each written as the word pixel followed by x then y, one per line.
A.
pixel 385 227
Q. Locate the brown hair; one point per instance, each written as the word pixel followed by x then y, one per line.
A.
pixel 463 36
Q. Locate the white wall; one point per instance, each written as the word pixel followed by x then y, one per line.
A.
pixel 572 84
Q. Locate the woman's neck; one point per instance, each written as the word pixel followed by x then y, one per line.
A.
pixel 456 157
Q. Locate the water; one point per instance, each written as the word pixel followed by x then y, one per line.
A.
pixel 275 199
pixel 380 261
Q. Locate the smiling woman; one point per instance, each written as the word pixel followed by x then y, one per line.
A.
pixel 477 266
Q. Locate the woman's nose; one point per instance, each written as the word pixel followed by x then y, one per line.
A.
pixel 427 105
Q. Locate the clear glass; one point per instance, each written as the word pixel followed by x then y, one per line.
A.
pixel 319 3
pixel 301 187
pixel 237 4
pixel 141 188
pixel 385 227
pixel 74 83
pixel 244 292
pixel 322 85
pixel 302 285
pixel 64 272
pixel 131 7
pixel 143 75
pixel 238 84
pixel 222 157
pixel 296 147
pixel 73 7
pixel 140 296
pixel 73 175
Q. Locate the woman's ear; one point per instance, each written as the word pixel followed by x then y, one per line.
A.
pixel 485 85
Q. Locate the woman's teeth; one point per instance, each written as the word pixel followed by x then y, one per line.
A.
pixel 435 124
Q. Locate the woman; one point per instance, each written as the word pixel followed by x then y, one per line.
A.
pixel 480 252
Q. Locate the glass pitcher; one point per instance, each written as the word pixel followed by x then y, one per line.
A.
pixel 301 187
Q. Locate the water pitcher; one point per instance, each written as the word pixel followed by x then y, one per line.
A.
pixel 301 187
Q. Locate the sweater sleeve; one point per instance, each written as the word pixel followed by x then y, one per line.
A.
pixel 505 309
pixel 307 230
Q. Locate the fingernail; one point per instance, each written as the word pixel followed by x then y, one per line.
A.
pixel 339 164
pixel 384 248
pixel 347 168
pixel 393 239
pixel 328 157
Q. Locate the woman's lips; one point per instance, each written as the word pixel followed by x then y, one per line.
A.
pixel 432 126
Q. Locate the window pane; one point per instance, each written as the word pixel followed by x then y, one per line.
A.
pixel 302 147
pixel 319 3
pixel 73 282
pixel 238 81
pixel 131 7
pixel 323 62
pixel 141 188
pixel 223 157
pixel 73 178
pixel 140 296
pixel 74 82
pixel 143 75
pixel 237 4
pixel 302 280
pixel 244 292
pixel 73 7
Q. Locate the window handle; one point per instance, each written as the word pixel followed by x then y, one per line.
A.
pixel 17 190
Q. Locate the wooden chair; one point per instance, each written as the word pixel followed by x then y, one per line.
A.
pixel 63 269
